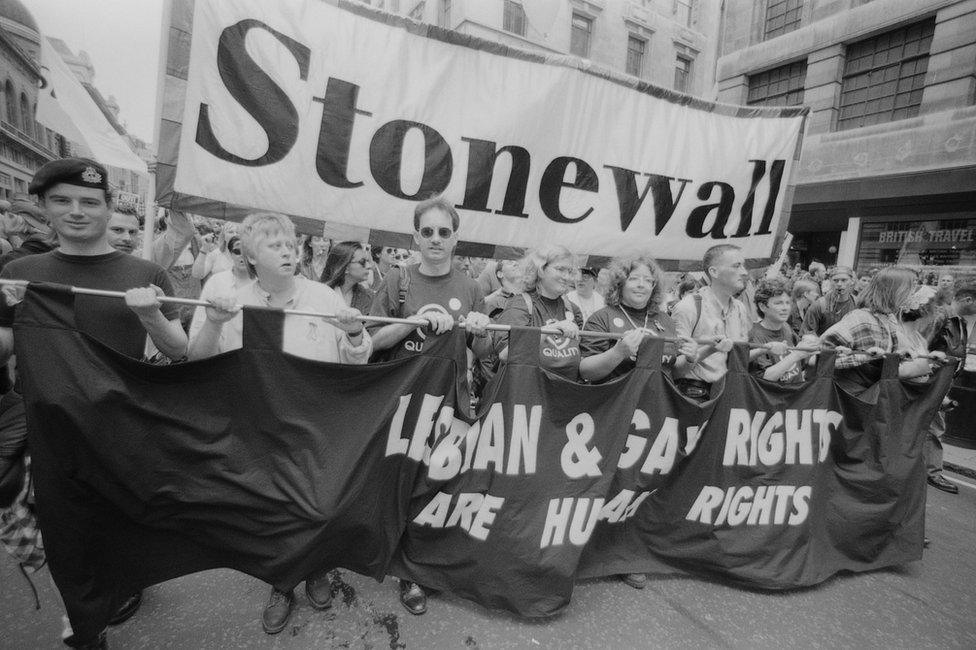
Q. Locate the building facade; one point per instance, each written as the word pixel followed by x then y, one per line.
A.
pixel 888 168
pixel 670 43
pixel 25 144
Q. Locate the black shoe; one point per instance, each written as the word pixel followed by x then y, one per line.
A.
pixel 939 482
pixel 277 611
pixel 413 597
pixel 98 643
pixel 635 580
pixel 128 608
pixel 318 589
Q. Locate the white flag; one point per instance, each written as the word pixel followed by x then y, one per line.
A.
pixel 64 105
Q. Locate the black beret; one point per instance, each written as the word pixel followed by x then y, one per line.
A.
pixel 73 171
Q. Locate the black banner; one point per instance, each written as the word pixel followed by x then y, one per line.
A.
pixel 278 466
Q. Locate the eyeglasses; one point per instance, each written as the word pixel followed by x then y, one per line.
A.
pixel 362 263
pixel 562 270
pixel 444 232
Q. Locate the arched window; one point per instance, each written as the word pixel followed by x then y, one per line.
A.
pixel 26 116
pixel 10 102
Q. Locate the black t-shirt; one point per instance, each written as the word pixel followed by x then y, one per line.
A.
pixel 108 320
pixel 758 366
pixel 558 353
pixel 454 294
pixel 620 319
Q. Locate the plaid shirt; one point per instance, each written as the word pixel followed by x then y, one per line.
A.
pixel 860 330
pixel 19 533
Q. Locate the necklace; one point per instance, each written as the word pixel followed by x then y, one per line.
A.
pixel 631 320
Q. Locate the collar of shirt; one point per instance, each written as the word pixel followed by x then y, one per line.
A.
pixel 292 300
pixel 708 293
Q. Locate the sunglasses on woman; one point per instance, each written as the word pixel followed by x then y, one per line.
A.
pixel 427 232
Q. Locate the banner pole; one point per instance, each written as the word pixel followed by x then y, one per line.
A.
pixel 149 223
pixel 420 322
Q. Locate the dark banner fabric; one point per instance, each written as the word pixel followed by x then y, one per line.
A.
pixel 278 466
pixel 254 460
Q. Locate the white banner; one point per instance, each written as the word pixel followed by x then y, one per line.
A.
pixel 63 105
pixel 344 115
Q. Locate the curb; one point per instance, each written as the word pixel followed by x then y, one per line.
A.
pixel 959 469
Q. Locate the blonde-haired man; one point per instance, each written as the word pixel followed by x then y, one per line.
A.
pixel 268 242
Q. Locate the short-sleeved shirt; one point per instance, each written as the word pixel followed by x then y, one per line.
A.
pixel 223 283
pixel 620 319
pixel 588 306
pixel 758 366
pixel 108 320
pixel 717 319
pixel 454 294
pixel 305 336
pixel 557 353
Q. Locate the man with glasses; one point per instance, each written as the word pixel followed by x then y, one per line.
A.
pixel 433 291
pixel 223 283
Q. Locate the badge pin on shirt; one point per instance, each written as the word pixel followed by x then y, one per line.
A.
pixel 313 331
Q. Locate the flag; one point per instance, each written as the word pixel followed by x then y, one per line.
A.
pixel 63 105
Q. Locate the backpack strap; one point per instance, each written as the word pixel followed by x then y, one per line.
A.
pixel 698 311
pixel 402 288
pixel 528 303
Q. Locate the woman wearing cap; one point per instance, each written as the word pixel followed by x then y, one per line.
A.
pixel 549 273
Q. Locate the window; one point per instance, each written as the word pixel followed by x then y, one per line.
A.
pixel 579 42
pixel 27 124
pixel 11 102
pixel 782 86
pixel 444 18
pixel 782 16
pixel 635 55
pixel 514 18
pixel 682 73
pixel 395 6
pixel 884 77
pixel 682 11
pixel 417 13
pixel 20 187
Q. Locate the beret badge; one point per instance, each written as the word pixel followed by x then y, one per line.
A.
pixel 90 175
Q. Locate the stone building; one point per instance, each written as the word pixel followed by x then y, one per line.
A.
pixel 888 169
pixel 25 145
pixel 670 43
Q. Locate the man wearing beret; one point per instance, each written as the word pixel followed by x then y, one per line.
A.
pixel 75 198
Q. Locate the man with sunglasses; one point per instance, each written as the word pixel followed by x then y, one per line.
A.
pixel 437 293
pixel 223 283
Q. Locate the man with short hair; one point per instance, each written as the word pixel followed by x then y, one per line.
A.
pixel 509 275
pixel 712 313
pixel 75 198
pixel 955 331
pixel 269 245
pixel 829 309
pixel 435 291
pixel 123 232
pixel 585 295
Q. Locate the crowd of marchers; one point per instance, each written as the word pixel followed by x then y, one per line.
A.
pixel 71 234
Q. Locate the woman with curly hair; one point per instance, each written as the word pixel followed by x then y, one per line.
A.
pixel 346 268
pixel 549 272
pixel 634 297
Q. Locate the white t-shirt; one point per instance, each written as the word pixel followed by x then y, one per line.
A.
pixel 587 305
pixel 304 336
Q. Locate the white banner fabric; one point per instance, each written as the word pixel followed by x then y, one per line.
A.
pixel 319 111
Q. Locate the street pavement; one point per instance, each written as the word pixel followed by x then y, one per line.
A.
pixel 930 603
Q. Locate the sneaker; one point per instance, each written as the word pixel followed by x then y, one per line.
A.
pixel 128 608
pixel 318 589
pixel 277 611
pixel 412 597
pixel 635 580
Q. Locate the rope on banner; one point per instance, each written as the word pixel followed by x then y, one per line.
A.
pixel 420 322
